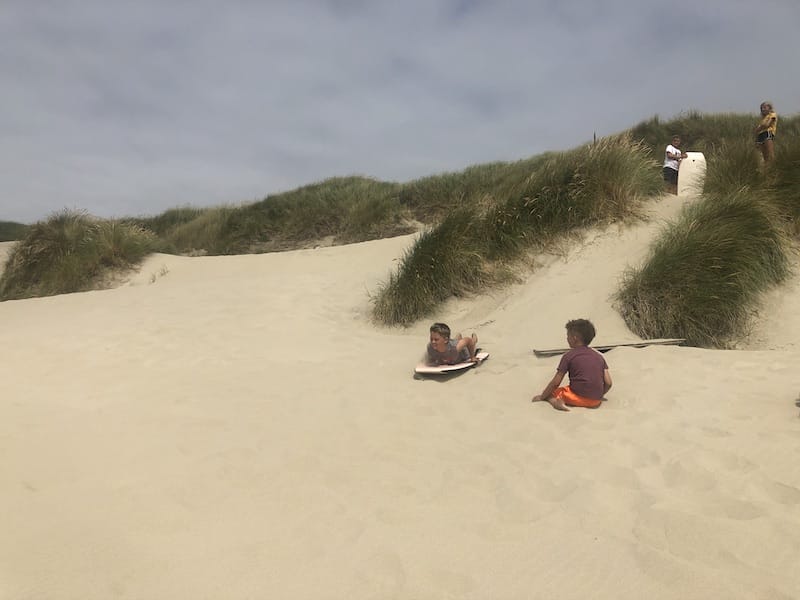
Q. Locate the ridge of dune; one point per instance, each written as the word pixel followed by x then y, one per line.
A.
pixel 236 427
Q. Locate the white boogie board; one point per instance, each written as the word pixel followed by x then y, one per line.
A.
pixel 692 174
pixel 424 369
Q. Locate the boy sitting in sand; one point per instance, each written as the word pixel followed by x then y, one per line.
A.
pixel 445 351
pixel 589 378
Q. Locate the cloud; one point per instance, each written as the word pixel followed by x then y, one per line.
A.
pixel 130 108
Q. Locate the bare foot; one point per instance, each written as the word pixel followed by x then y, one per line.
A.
pixel 558 403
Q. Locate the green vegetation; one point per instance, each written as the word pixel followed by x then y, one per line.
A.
pixel 705 273
pixel 10 231
pixel 71 252
pixel 445 261
pixel 704 276
pixel 701 281
pixel 699 132
pixel 344 209
pixel 431 198
pixel 473 246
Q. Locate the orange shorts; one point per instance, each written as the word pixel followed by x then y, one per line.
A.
pixel 570 398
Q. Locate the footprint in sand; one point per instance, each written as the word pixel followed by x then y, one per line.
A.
pixel 688 475
pixel 737 509
pixel 451 584
pixel 382 575
pixel 780 492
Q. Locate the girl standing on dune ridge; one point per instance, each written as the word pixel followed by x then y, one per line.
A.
pixel 765 131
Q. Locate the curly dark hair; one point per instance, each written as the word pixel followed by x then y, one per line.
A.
pixel 583 328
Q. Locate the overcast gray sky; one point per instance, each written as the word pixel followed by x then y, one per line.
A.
pixel 132 107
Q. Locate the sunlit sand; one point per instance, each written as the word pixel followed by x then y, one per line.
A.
pixel 236 427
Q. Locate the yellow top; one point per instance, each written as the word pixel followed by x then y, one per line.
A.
pixel 769 122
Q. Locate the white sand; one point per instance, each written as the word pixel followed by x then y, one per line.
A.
pixel 234 427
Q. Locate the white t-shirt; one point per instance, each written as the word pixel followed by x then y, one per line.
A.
pixel 672 163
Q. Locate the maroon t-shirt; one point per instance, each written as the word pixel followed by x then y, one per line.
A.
pixel 585 367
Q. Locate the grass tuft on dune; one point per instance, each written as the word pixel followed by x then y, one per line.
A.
pixel 71 252
pixel 705 273
pixel 472 248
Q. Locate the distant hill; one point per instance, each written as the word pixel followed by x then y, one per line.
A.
pixel 10 231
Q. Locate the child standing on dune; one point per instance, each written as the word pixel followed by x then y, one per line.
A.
pixel 589 377
pixel 672 162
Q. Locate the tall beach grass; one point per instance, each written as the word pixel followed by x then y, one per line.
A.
pixel 704 275
pixel 71 252
pixel 440 264
pixel 597 183
pixel 341 210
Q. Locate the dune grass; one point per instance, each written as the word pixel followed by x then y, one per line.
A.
pixel 470 248
pixel 699 132
pixel 783 178
pixel 71 252
pixel 342 209
pixel 704 276
pixel 439 265
pixel 431 198
pixel 705 273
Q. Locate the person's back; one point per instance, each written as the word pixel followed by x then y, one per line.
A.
pixel 585 367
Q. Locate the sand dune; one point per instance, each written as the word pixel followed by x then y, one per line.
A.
pixel 235 427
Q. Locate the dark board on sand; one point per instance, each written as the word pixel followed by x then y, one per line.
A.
pixel 642 344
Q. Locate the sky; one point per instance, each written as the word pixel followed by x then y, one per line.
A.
pixel 128 108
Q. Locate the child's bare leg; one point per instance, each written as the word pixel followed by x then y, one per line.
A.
pixel 468 343
pixel 556 403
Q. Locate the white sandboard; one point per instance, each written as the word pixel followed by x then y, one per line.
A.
pixel 424 369
pixel 692 174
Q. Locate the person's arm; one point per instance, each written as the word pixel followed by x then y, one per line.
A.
pixel 607 383
pixel 677 155
pixel 550 387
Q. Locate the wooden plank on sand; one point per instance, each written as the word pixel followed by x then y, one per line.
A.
pixel 642 344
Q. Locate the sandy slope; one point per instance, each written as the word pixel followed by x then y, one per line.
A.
pixel 234 427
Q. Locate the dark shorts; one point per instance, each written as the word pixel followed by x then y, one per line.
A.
pixel 764 136
pixel 670 175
